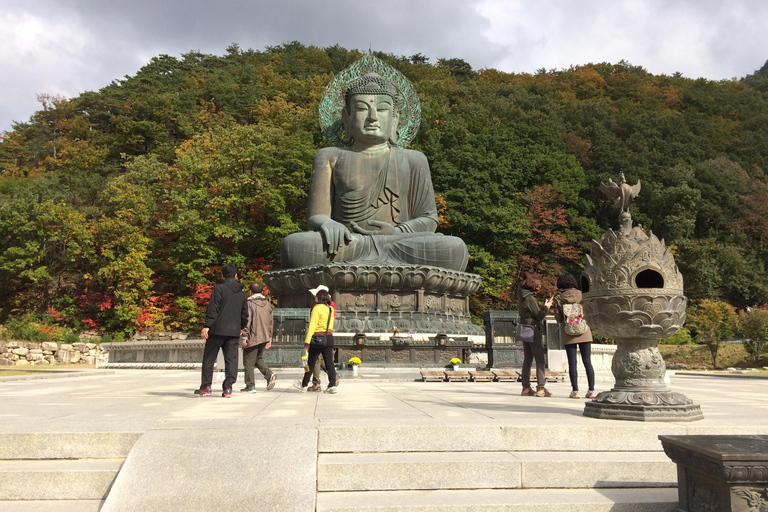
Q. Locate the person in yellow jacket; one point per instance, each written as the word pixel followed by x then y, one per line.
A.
pixel 320 330
pixel 319 368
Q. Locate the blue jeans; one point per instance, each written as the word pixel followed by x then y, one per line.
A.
pixel 586 358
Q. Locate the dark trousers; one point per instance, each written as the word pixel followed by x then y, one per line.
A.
pixel 531 351
pixel 318 369
pixel 253 357
pixel 586 358
pixel 228 346
pixel 327 354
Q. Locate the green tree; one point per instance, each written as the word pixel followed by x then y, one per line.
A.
pixel 753 325
pixel 714 321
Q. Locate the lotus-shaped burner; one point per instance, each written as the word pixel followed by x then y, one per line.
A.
pixel 633 294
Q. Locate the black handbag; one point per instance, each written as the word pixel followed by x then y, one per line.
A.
pixel 321 340
pixel 524 333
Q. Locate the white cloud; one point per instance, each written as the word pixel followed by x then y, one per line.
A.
pixel 38 57
pixel 698 38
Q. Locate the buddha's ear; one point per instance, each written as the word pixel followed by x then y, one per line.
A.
pixel 393 129
pixel 346 123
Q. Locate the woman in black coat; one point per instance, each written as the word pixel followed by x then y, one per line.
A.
pixel 532 314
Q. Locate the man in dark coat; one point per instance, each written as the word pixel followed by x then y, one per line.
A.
pixel 226 316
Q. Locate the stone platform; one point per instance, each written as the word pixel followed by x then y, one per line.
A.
pixel 376 298
pixel 495 449
pixel 379 349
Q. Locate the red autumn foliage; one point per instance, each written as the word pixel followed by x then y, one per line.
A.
pixel 202 294
pixel 547 246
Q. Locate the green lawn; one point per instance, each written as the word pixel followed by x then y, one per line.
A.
pixel 729 355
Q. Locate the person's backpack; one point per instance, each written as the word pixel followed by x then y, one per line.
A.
pixel 574 320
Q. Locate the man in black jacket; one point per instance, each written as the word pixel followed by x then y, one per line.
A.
pixel 226 316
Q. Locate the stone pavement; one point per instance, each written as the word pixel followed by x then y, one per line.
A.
pixel 269 442
pixel 140 400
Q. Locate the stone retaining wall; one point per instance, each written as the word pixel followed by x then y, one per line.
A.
pixel 21 353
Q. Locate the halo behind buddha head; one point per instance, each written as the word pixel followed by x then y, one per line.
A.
pixel 370 75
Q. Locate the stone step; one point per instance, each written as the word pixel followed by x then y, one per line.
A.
pixel 489 470
pixel 498 500
pixel 66 445
pixel 80 479
pixel 51 506
pixel 344 438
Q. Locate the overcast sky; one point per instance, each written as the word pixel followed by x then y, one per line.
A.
pixel 70 46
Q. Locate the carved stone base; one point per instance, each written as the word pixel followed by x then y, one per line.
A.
pixel 376 298
pixel 643 406
pixel 720 473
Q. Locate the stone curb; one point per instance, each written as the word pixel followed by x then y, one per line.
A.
pixel 722 375
pixel 49 374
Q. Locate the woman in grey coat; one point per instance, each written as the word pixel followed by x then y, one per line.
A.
pixel 568 293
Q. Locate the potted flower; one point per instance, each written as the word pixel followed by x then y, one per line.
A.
pixel 355 362
pixel 455 362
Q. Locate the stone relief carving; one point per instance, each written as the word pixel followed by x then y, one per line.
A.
pixel 359 303
pixel 455 306
pixel 703 498
pixel 395 303
pixel 354 325
pixel 756 473
pixel 432 303
pixel 379 325
pixel 756 500
pixel 373 277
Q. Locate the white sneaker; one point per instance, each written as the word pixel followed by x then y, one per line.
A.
pixel 297 385
pixel 331 390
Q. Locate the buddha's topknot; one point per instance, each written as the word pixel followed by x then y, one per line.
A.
pixel 370 83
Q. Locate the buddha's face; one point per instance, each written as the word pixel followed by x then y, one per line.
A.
pixel 371 117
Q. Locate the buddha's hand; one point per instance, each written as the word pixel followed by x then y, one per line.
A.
pixel 381 228
pixel 335 234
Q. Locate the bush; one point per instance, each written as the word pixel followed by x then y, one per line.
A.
pixel 754 328
pixel 681 337
pixel 23 328
pixel 107 338
pixel 118 338
pixel 596 338
pixel 71 337
pixel 31 328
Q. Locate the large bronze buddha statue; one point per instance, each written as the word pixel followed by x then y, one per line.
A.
pixel 371 201
pixel 372 220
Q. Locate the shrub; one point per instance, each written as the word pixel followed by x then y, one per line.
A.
pixel 118 338
pixel 189 314
pixel 107 338
pixel 714 320
pixel 681 337
pixel 32 328
pixel 754 328
pixel 71 337
pixel 22 328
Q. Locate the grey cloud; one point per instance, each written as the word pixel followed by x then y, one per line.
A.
pixel 656 34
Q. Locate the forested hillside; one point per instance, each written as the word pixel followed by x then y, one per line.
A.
pixel 118 207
